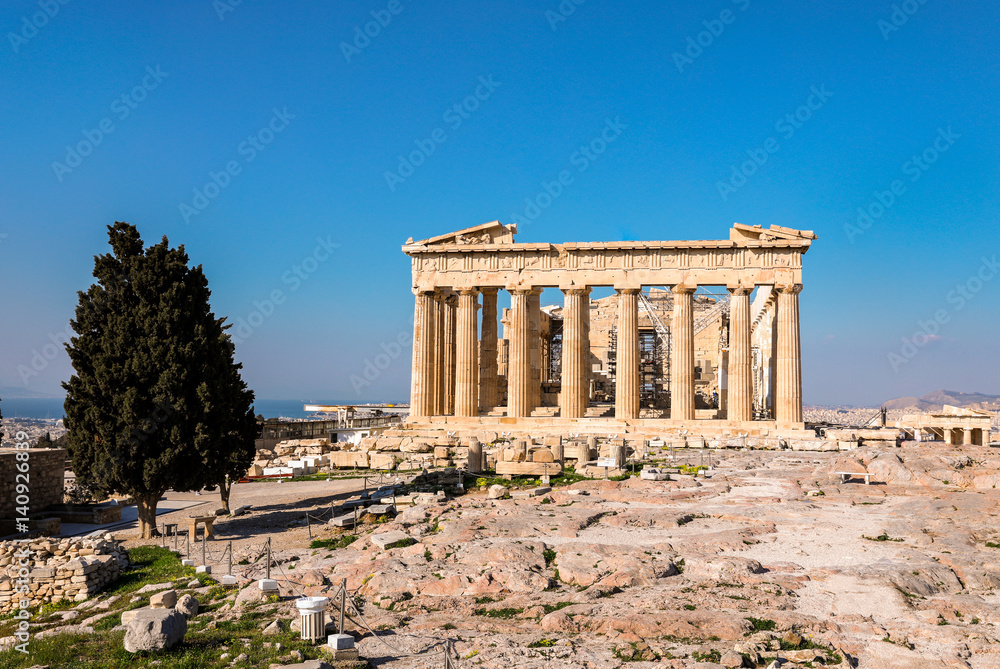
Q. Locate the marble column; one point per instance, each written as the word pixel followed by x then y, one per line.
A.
pixel 423 355
pixel 488 352
pixel 967 437
pixel 519 362
pixel 627 374
pixel 436 354
pixel 449 355
pixel 682 355
pixel 788 403
pixel 535 315
pixel 466 358
pixel 439 336
pixel 740 363
pixel 574 395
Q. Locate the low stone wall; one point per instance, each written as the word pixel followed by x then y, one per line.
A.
pixel 45 475
pixel 48 570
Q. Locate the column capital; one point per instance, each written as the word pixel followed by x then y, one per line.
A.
pixel 575 290
pixel 792 288
pixel 468 291
pixel 489 290
pixel 740 289
pixel 681 289
pixel 628 291
pixel 524 290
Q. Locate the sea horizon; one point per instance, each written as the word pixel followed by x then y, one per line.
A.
pixel 51 408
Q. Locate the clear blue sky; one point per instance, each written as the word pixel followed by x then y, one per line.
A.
pixel 329 126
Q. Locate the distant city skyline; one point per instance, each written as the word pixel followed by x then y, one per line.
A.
pixel 293 149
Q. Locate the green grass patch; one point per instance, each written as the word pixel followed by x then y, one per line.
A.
pixel 882 537
pixel 342 541
pixel 762 624
pixel 499 613
pixel 150 564
pixel 542 643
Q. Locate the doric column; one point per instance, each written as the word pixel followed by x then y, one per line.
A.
pixel 740 363
pixel 682 358
pixel 449 355
pixel 488 352
pixel 423 354
pixel 788 403
pixel 535 315
pixel 574 394
pixel 519 361
pixel 438 370
pixel 627 381
pixel 967 437
pixel 466 358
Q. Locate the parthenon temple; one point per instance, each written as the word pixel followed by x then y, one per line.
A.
pixel 700 336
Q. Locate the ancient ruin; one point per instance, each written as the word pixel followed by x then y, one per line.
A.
pixel 552 369
pixel 953 425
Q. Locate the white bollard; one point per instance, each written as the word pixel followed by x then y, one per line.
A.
pixel 312 616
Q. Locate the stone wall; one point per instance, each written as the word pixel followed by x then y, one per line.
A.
pixel 46 472
pixel 52 569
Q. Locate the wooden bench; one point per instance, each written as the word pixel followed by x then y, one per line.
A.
pixel 193 526
pixel 847 476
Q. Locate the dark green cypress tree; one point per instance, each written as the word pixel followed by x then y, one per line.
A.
pixel 156 402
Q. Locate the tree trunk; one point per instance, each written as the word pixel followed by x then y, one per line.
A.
pixel 147 514
pixel 225 487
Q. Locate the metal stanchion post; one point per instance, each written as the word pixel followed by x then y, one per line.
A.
pixel 187 543
pixel 268 558
pixel 309 525
pixel 163 537
pixel 204 540
pixel 230 570
pixel 343 603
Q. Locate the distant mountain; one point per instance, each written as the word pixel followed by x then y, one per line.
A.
pixel 933 401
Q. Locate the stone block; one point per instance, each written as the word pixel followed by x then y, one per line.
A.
pixel 529 468
pixel 340 641
pixel 389 538
pixel 163 600
pixel 497 491
pixel 188 605
pixel 155 629
pixel 542 455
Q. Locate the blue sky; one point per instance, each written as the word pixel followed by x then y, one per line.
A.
pixel 300 132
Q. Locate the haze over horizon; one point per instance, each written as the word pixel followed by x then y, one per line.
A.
pixel 277 144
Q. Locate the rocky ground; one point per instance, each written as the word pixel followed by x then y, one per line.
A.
pixel 768 557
